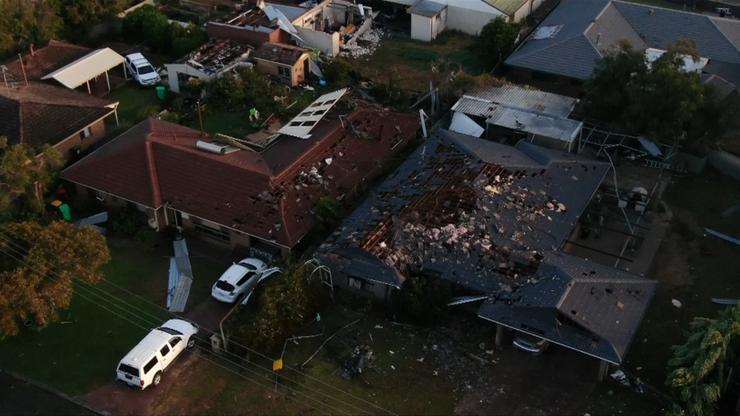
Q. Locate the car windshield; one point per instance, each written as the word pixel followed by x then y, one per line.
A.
pixel 247 265
pixel 129 370
pixel 169 330
pixel 224 285
pixel 146 69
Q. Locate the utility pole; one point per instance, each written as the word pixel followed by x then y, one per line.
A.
pixel 23 69
pixel 200 117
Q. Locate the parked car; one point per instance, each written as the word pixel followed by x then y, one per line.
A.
pixel 141 70
pixel 529 343
pixel 238 280
pixel 144 364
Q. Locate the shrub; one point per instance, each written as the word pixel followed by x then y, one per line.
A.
pixel 125 221
pixel 496 40
pixel 337 71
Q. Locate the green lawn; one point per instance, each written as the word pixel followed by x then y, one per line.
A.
pixel 232 124
pixel 409 62
pixel 135 102
pixel 81 350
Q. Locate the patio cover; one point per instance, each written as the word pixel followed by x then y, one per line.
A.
pixel 86 68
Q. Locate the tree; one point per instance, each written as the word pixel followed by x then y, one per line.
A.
pixel 496 40
pixel 287 302
pixel 25 22
pixel 700 370
pixel 78 15
pixel 41 283
pixel 147 24
pixel 658 99
pixel 24 177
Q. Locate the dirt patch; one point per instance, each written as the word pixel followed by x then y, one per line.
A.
pixel 118 399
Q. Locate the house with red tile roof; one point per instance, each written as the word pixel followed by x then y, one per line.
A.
pixel 233 194
pixel 40 114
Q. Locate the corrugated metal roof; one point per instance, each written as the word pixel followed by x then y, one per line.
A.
pixel 86 68
pixel 427 8
pixel 528 99
pixel 524 109
pixel 508 7
pixel 562 129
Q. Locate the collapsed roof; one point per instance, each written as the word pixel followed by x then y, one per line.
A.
pixel 267 194
pixel 492 219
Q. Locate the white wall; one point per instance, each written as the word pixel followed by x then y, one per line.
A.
pixel 327 43
pixel 469 16
pixel 524 11
pixel 421 27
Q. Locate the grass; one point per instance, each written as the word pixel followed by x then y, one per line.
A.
pixel 135 102
pixel 689 267
pixel 80 351
pixel 409 61
pixel 232 124
pixel 396 381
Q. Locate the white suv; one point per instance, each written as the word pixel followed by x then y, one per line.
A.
pixel 141 70
pixel 144 365
pixel 238 280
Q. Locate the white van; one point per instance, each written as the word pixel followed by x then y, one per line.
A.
pixel 144 365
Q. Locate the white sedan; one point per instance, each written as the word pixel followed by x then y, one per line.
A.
pixel 238 280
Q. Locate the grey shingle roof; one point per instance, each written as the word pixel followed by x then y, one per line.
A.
pixel 446 213
pixel 427 8
pixel 591 27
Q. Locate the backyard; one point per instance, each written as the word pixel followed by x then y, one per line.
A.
pixel 407 62
pixel 691 267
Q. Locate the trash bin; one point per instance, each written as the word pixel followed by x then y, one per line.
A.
pixel 161 91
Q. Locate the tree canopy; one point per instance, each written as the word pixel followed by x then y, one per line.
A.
pixel 146 24
pixel 24 22
pixel 658 99
pixel 24 176
pixel 700 369
pixel 35 288
pixel 496 40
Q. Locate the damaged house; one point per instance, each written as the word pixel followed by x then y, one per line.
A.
pixel 235 193
pixel 492 220
pixel 325 26
pixel 514 112
pixel 207 62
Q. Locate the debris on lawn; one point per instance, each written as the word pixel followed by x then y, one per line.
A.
pixel 362 357
pixel 676 303
pixel 366 44
pixel 722 236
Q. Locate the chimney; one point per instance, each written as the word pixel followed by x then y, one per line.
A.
pixel 30 48
pixel 598 38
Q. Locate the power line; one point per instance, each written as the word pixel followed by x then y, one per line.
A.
pixel 200 348
pixel 91 288
pixel 4 233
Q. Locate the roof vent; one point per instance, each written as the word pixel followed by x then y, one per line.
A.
pixel 217 148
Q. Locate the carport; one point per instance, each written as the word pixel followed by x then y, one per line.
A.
pixel 87 68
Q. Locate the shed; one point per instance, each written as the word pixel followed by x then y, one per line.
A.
pixel 428 19
pixel 288 63
pixel 87 68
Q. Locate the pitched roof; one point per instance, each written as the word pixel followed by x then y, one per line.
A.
pixel 40 114
pixel 269 195
pixel 45 60
pixel 508 7
pixel 492 219
pixel 589 28
pixel 85 68
pixel 279 52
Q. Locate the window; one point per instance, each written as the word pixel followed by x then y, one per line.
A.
pixel 165 350
pixel 174 341
pixel 244 279
pixel 215 231
pixel 284 71
pixel 150 365
pixel 225 286
pixel 355 283
pixel 85 133
pixel 169 330
pixel 129 370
